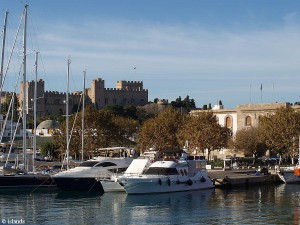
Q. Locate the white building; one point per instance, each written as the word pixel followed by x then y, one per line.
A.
pixel 242 117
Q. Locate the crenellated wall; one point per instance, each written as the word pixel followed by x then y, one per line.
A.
pixel 53 102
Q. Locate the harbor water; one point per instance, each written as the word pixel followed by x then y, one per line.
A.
pixel 270 204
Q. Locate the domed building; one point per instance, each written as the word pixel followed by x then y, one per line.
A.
pixel 46 128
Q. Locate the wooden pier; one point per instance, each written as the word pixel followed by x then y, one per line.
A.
pixel 238 178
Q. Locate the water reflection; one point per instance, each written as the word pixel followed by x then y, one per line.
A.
pixel 262 205
pixel 167 208
pixel 256 205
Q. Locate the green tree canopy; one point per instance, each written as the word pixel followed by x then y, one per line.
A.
pixel 100 131
pixel 160 132
pixel 187 103
pixel 281 131
pixel 249 141
pixel 48 149
pixel 202 131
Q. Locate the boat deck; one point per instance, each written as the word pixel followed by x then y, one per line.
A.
pixel 233 178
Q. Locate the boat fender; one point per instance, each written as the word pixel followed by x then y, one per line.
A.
pixel 202 179
pixel 159 181
pixel 189 182
pixel 169 181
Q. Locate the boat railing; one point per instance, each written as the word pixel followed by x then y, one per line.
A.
pixel 132 174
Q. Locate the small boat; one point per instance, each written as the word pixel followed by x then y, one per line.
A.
pixel 288 175
pixel 186 174
pixel 291 174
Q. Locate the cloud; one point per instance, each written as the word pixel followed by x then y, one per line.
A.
pixel 176 54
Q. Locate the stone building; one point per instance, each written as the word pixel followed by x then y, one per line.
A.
pixel 53 102
pixel 242 117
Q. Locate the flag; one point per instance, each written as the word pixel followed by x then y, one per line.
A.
pixel 261 87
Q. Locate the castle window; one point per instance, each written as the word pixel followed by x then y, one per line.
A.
pixel 114 100
pixel 228 122
pixel 248 121
pixel 106 100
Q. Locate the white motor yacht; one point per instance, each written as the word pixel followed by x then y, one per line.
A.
pixel 90 174
pixel 186 174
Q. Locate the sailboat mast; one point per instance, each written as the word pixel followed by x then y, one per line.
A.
pixel 34 110
pixel 2 55
pixel 82 117
pixel 24 85
pixel 67 112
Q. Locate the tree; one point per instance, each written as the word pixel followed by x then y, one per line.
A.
pixel 100 131
pixel 187 103
pixel 249 141
pixel 48 149
pixel 160 132
pixel 281 131
pixel 203 132
pixel 127 126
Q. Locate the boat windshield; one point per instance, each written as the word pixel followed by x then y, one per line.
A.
pixel 162 171
pixel 89 163
pixel 106 164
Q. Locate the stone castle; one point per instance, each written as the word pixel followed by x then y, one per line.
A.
pixel 53 102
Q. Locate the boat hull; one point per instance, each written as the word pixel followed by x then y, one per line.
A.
pixel 289 177
pixel 26 181
pixel 78 184
pixel 163 185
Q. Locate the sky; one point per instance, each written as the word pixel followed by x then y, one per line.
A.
pixel 237 51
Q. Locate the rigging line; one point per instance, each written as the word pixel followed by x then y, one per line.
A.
pixel 51 100
pixel 75 120
pixel 10 104
pixel 13 139
pixel 33 35
pixel 11 53
pixel 48 98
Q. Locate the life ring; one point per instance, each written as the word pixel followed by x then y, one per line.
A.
pixel 159 181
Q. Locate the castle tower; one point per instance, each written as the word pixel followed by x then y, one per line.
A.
pixel 30 95
pixel 97 93
pixel 129 85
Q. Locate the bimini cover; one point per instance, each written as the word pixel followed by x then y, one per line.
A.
pixel 137 166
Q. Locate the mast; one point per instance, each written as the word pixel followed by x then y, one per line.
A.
pixel 34 111
pixel 24 85
pixel 82 117
pixel 2 55
pixel 67 112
